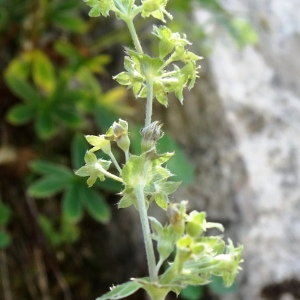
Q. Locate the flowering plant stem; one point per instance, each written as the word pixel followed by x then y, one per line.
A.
pixel 139 192
pixel 145 178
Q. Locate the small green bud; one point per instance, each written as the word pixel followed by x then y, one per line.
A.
pixel 156 8
pixel 118 132
pixel 195 223
pixel 176 213
pixel 151 134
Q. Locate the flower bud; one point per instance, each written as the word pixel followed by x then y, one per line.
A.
pixel 176 213
pixel 118 132
pixel 151 134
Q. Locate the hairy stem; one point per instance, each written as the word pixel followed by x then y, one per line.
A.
pixel 108 174
pixel 113 159
pixel 134 36
pixel 139 192
pixel 149 104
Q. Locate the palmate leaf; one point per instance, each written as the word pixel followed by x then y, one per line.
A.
pixel 121 291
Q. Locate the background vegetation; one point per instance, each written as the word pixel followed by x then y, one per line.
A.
pixel 56 85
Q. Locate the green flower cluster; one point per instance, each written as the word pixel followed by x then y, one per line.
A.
pixel 125 8
pixel 197 257
pixel 97 168
pixel 163 71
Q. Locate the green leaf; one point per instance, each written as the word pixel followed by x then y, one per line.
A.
pixel 22 89
pixel 121 291
pixel 48 186
pixel 79 146
pixel 68 115
pixel 43 72
pixel 169 187
pixel 242 32
pixel 44 125
pixel 66 5
pixel 44 167
pixel 5 240
pixel 68 50
pixel 218 288
pixel 192 293
pixel 109 185
pixel 133 172
pixel 20 114
pixel 72 204
pixel 5 214
pixel 127 200
pixel 96 205
pixel 69 21
pixel 161 200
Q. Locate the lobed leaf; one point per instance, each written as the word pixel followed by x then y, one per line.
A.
pixel 121 291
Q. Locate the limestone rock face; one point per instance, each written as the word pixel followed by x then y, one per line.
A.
pixel 242 133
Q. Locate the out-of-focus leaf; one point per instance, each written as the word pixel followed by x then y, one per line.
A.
pixel 68 116
pixel 4 18
pixel 48 186
pixel 109 185
pixel 43 72
pixel 5 214
pixel 68 50
pixel 67 233
pixel 78 148
pixel 192 293
pixel 44 167
pixel 213 5
pixel 66 5
pixel 22 89
pixel 243 32
pixel 44 125
pixel 69 21
pixel 72 204
pixel 179 164
pixel 96 64
pixel 20 114
pixel 20 66
pixel 96 205
pixel 217 286
pixel 5 239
